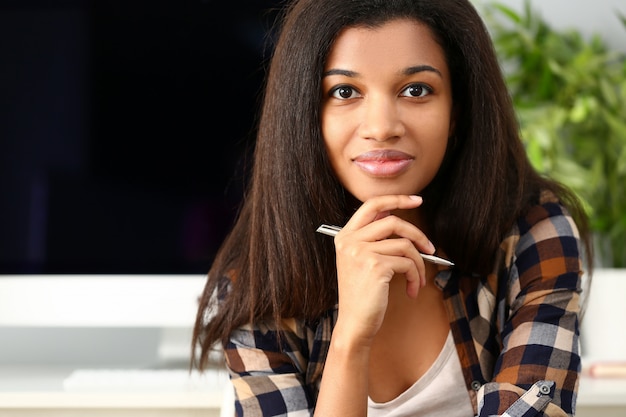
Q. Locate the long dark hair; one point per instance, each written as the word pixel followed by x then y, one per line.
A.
pixel 273 264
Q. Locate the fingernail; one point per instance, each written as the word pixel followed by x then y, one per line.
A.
pixel 415 197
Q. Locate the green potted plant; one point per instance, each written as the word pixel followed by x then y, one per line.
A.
pixel 570 96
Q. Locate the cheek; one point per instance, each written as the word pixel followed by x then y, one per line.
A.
pixel 433 142
pixel 439 147
pixel 435 131
pixel 334 137
pixel 440 141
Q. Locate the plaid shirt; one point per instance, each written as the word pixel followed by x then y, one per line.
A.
pixel 516 332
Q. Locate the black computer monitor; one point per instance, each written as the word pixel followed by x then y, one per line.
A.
pixel 125 128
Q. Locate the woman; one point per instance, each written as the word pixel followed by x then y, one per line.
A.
pixel 391 118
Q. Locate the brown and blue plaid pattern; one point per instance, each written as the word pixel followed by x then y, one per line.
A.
pixel 516 332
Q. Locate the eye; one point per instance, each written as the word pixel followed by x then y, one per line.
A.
pixel 344 92
pixel 416 90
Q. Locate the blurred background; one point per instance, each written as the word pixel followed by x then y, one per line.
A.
pixel 124 127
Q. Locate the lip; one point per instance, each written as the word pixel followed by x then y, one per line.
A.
pixel 384 162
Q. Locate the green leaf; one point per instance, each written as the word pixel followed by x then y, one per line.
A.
pixel 569 93
pixel 508 12
pixel 609 92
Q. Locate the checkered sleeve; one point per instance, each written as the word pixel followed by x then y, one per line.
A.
pixel 537 371
pixel 268 380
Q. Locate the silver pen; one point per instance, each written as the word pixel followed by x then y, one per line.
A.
pixel 330 230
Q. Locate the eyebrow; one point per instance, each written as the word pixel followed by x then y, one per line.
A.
pixel 409 71
pixel 422 68
pixel 340 72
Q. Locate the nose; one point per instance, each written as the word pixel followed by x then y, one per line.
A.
pixel 381 120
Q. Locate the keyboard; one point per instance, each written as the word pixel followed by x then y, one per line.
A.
pixel 145 380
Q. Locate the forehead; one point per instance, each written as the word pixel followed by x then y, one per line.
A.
pixel 400 40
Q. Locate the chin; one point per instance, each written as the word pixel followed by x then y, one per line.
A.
pixel 368 187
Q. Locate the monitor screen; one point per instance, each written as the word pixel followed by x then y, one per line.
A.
pixel 125 131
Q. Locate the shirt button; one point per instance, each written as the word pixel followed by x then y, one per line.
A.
pixel 544 389
pixel 476 385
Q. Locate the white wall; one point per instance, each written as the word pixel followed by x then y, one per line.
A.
pixel 603 336
pixel 588 16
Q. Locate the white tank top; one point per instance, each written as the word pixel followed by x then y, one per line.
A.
pixel 440 392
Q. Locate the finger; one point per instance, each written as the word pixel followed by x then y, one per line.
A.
pixel 376 207
pixel 412 266
pixel 388 227
pixel 400 256
pixel 409 270
pixel 396 227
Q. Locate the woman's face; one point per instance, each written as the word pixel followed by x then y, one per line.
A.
pixel 386 108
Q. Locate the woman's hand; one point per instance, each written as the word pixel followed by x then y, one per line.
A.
pixel 372 248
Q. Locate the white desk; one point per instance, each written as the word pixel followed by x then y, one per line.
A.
pixel 63 404
pixel 29 392
pixel 61 314
pixel 46 398
pixel 601 398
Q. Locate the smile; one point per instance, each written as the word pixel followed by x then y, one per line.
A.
pixel 383 163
